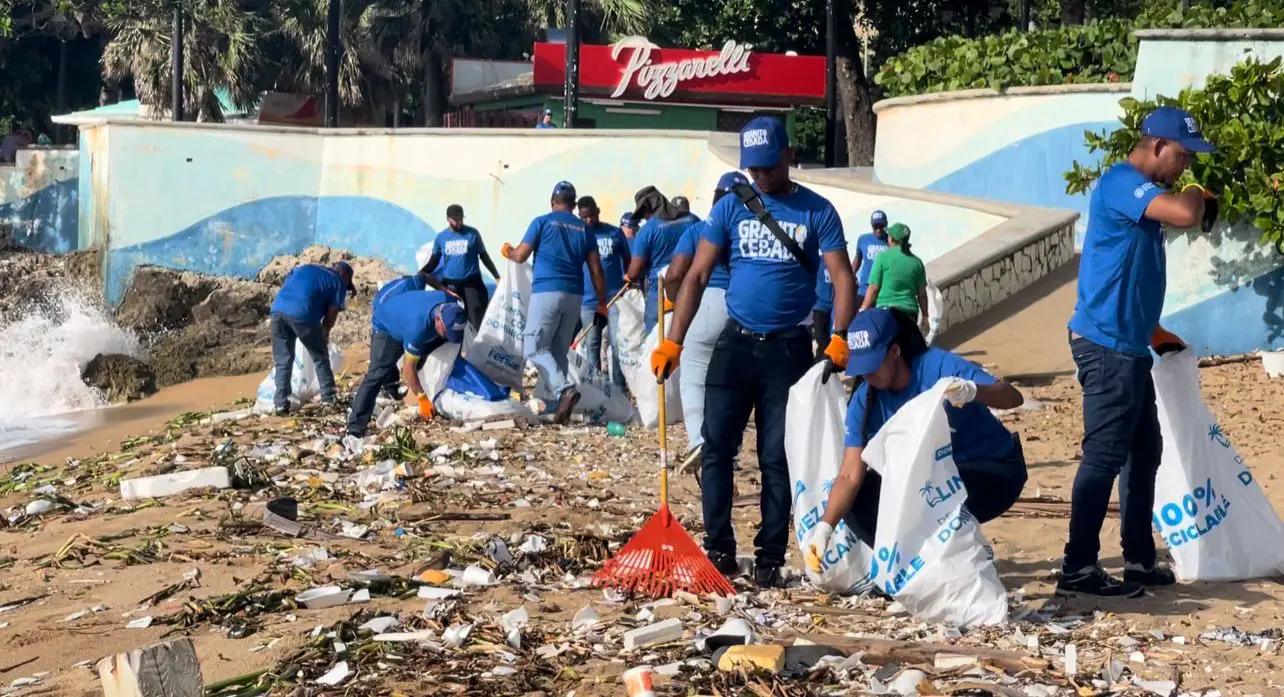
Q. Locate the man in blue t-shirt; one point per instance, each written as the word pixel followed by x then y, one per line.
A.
pixel 417 281
pixel 546 120
pixel 562 247
pixel 628 226
pixel 1122 279
pixel 457 253
pixel 766 345
pixel 653 250
pixel 888 351
pixel 408 325
pixel 868 247
pixel 708 323
pixel 613 250
pixel 305 309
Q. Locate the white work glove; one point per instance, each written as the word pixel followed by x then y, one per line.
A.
pixel 960 392
pixel 817 543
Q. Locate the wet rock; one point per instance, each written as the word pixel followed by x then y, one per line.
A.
pixel 236 304
pixel 158 299
pixel 120 378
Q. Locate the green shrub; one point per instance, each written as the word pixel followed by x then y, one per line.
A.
pixel 1243 115
pixel 1102 51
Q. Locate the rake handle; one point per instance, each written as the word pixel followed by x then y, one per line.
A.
pixel 664 440
pixel 585 332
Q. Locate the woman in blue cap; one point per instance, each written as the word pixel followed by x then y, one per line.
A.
pixel 889 352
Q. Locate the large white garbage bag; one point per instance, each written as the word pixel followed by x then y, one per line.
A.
pixel 436 368
pixel 930 553
pixel 496 349
pixel 304 386
pixel 601 400
pixel 1215 519
pixel 814 446
pixel 635 362
pixel 423 255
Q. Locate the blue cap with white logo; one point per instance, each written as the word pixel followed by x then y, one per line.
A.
pixel 761 142
pixel 729 180
pixel 878 219
pixel 626 220
pixel 1175 124
pixel 868 337
pixel 563 187
pixel 455 319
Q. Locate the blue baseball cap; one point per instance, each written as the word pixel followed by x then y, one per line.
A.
pixel 563 187
pixel 729 180
pixel 878 219
pixel 761 142
pixel 453 316
pixel 868 337
pixel 1175 124
pixel 626 220
pixel 344 269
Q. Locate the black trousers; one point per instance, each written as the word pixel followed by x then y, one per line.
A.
pixel 820 320
pixel 473 292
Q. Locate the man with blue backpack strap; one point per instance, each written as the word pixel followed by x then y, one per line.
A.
pixel 774 237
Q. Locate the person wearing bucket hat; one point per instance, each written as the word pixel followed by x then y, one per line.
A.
pixel 899 279
pixel 888 351
pixel 409 326
pixel 305 309
pixel 774 240
pixel 652 248
pixel 1122 280
pixel 868 247
pixel 563 246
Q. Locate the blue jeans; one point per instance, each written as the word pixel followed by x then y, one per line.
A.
pixel 1121 439
pixel 384 352
pixel 550 329
pixel 750 373
pixel 992 487
pixel 593 340
pixel 285 330
pixel 702 336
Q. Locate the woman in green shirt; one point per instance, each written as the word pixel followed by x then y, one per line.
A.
pixel 898 280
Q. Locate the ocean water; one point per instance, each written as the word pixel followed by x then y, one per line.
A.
pixel 42 354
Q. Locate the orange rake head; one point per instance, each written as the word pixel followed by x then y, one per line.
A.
pixel 660 559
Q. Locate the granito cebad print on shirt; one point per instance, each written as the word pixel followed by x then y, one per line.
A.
pixel 758 242
pixel 456 247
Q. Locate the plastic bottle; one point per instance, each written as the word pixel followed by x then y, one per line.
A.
pixel 615 428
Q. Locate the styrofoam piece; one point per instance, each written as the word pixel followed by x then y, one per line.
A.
pixel 325 596
pixel 1273 362
pixel 175 483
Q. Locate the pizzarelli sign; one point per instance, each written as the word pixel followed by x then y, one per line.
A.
pixel 636 69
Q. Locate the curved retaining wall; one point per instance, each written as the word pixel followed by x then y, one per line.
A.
pixel 225 199
pixel 39 197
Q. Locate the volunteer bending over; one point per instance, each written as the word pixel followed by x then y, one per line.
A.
pixel 416 281
pixel 305 309
pixel 888 350
pixel 709 320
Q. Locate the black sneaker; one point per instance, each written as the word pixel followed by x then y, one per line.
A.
pixel 281 411
pixel 1095 582
pixel 570 397
pixel 765 576
pixel 725 563
pixel 1157 575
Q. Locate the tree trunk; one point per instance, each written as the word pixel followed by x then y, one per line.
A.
pixel 1072 12
pixel 854 98
pixel 434 104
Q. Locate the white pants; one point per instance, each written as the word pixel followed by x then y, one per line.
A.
pixel 702 335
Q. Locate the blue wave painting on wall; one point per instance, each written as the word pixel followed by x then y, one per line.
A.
pixel 1029 171
pixel 241 240
pixel 1237 321
pixel 48 219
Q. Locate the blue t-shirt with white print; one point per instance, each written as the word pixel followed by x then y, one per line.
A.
pixel 769 289
pixel 975 433
pixel 721 277
pixel 824 291
pixel 458 253
pixel 561 245
pixel 657 240
pixel 613 249
pixel 868 247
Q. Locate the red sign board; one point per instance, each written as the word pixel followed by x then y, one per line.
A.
pixel 635 69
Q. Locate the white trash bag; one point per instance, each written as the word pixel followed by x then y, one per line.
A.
pixel 304 386
pixel 814 434
pixel 496 349
pixel 601 400
pixel 462 406
pixel 436 369
pixel 423 255
pixel 935 309
pixel 1215 519
pixel 930 554
pixel 635 362
pixel 632 327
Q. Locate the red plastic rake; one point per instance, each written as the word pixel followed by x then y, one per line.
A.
pixel 662 558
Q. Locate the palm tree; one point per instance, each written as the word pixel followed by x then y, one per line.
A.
pixel 602 20
pixel 219 52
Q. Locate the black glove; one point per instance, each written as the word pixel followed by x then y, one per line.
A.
pixel 1211 209
pixel 599 319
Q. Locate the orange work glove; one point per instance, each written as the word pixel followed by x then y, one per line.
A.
pixel 505 250
pixel 1164 339
pixel 837 351
pixel 426 410
pixel 664 359
pixel 668 304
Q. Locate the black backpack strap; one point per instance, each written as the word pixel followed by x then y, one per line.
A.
pixel 753 202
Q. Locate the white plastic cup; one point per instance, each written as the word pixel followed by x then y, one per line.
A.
pixel 637 682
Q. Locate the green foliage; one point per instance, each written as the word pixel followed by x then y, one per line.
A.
pixel 1243 115
pixel 1099 51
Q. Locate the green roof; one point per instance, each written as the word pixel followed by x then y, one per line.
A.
pixel 131 107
